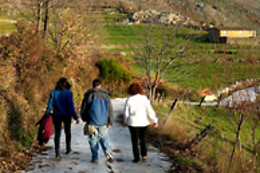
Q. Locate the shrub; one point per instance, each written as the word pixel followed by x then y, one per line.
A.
pixel 111 70
pixel 26 69
pixel 29 69
pixel 113 74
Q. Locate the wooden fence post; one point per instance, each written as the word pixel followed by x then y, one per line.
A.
pixel 172 107
pixel 198 137
pixel 202 99
pixel 219 99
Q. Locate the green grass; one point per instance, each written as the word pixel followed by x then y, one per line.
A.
pixel 113 16
pixel 217 69
pixel 195 119
pixel 118 38
pixel 7 27
pixel 214 75
pixel 123 34
pixel 133 34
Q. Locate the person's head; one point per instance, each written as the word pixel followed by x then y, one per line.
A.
pixel 135 88
pixel 96 83
pixel 62 84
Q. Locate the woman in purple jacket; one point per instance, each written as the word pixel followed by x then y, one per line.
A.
pixel 61 102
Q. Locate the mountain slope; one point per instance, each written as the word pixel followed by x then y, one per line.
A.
pixel 230 13
pixel 233 13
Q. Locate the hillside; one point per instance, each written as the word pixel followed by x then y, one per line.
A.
pixel 234 13
pixel 97 38
pixel 230 13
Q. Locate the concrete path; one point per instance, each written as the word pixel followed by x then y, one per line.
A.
pixel 79 160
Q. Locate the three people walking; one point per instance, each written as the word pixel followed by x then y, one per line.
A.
pixel 96 110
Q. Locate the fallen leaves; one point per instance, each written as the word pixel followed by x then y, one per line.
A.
pixel 19 160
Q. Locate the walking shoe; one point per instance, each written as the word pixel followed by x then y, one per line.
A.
pixel 144 158
pixel 94 161
pixel 109 157
pixel 58 158
pixel 136 161
pixel 68 151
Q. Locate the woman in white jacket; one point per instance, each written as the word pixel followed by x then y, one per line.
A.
pixel 138 113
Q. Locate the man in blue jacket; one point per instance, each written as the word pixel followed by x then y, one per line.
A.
pixel 97 110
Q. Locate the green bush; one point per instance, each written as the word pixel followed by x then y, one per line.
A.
pixel 114 75
pixel 111 70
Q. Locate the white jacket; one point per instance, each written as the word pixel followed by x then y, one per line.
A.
pixel 138 111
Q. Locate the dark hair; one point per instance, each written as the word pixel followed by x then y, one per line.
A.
pixel 62 83
pixel 67 85
pixel 135 88
pixel 96 82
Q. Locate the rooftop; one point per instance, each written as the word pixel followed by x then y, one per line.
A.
pixel 234 28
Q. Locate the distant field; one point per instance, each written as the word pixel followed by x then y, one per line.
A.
pixel 220 64
pixel 8 22
pixel 6 27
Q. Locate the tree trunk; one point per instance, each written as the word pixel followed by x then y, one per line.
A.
pixel 46 18
pixel 239 128
pixel 39 15
pixel 150 93
pixel 254 157
pixel 153 93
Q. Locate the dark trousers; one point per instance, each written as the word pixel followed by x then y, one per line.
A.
pixel 138 133
pixel 57 121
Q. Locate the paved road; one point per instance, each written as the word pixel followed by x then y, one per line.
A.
pixel 79 160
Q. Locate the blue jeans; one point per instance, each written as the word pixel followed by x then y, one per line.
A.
pixel 99 136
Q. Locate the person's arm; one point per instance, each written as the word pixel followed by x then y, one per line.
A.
pixel 151 113
pixel 126 112
pixel 110 116
pixel 71 106
pixel 84 108
pixel 50 104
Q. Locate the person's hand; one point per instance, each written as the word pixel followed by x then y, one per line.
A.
pixel 155 125
pixel 108 126
pixel 38 123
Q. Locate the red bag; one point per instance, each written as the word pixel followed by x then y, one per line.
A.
pixel 47 127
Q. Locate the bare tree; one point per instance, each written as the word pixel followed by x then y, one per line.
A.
pixel 243 109
pixel 61 24
pixel 159 51
pixel 239 122
pixel 254 120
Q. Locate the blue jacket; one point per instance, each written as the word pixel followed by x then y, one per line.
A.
pixel 61 102
pixel 96 108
